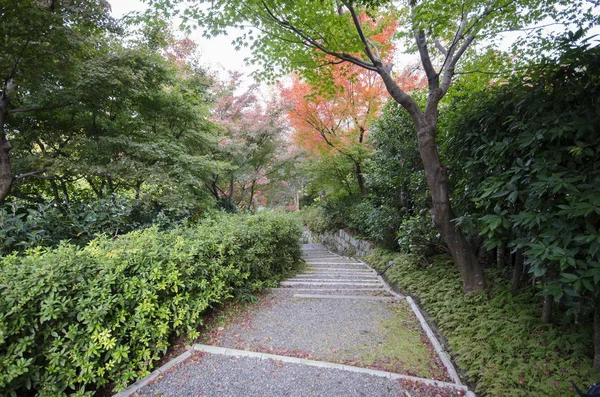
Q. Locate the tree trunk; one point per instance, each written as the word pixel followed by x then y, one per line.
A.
pixel 516 280
pixel 501 255
pixel 65 191
pixel 360 178
pixel 138 189
pixel 6 176
pixel 55 191
pixel 547 309
pixel 597 336
pixel 437 179
pixel 250 204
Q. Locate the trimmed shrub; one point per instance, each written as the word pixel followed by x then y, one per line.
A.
pixel 75 319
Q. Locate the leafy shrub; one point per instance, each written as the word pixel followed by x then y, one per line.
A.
pixel 314 218
pixel 76 318
pixel 499 341
pixel 25 226
pixel 417 236
pixel 530 149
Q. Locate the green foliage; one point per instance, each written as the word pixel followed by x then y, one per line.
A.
pixel 25 226
pixel 314 218
pixel 396 179
pixel 499 341
pixel 531 149
pixel 417 235
pixel 76 318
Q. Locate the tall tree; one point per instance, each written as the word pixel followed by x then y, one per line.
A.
pixel 304 36
pixel 41 40
pixel 136 122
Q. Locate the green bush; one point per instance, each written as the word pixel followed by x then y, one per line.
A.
pixel 24 226
pixel 75 319
pixel 315 219
pixel 499 340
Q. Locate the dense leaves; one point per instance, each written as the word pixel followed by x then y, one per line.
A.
pixel 76 318
pixel 532 149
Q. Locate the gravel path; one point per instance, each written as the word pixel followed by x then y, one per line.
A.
pixel 322 328
pixel 344 330
pixel 215 375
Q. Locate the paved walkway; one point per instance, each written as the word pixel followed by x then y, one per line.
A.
pixel 330 331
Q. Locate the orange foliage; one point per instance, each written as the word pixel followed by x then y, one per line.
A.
pixel 327 123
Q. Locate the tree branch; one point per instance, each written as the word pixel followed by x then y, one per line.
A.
pixel 449 72
pixel 432 75
pixel 39 108
pixel 375 58
pixel 32 174
pixel 311 42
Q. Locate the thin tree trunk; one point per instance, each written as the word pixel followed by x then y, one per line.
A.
pixel 437 179
pixel 111 187
pixel 138 188
pixel 250 204
pixel 501 255
pixel 360 178
pixel 547 309
pixel 516 279
pixel 55 191
pixel 96 190
pixel 65 191
pixel 597 336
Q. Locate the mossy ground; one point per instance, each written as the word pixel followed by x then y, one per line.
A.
pixel 405 348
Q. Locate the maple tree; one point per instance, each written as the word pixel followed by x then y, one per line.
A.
pixel 335 121
pixel 251 142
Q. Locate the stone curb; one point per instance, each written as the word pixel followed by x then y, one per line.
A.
pixel 324 364
pixel 154 375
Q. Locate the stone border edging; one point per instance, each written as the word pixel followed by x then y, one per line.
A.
pixel 324 364
pixel 155 374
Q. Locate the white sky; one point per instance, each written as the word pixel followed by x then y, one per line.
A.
pixel 217 53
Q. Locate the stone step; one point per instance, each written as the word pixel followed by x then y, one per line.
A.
pixel 314 296
pixel 322 258
pixel 340 267
pixel 337 270
pixel 352 266
pixel 324 276
pixel 341 291
pixel 334 280
pixel 328 284
pixel 335 262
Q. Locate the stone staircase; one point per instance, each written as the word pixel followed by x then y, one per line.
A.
pixel 331 276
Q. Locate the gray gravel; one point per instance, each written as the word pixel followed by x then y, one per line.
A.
pixel 216 375
pixel 327 329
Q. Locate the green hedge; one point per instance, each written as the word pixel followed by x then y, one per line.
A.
pixel 498 339
pixel 75 319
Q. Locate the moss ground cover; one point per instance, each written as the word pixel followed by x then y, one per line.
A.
pixel 74 319
pixel 498 340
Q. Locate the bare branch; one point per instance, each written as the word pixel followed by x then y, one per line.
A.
pixel 449 72
pixel 432 75
pixel 39 108
pixel 441 48
pixel 309 41
pixel 366 42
